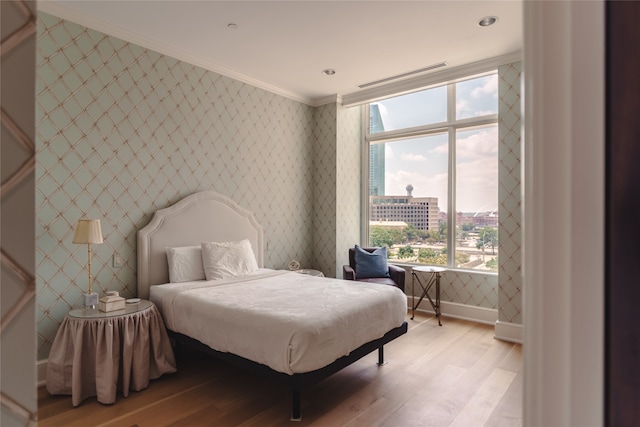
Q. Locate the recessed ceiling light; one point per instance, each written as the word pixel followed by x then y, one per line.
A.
pixel 487 21
pixel 232 26
pixel 329 72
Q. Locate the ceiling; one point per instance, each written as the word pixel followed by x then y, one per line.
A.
pixel 283 46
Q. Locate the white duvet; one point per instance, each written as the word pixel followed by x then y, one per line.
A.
pixel 291 322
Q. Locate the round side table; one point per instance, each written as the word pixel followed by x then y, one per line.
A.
pixel 97 353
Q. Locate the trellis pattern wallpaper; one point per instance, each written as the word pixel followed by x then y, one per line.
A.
pixel 462 287
pixel 337 189
pixel 324 168
pixel 348 200
pixel 510 194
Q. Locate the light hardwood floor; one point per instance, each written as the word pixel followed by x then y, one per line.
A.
pixel 454 375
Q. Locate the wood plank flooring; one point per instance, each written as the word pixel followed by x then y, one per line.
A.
pixel 454 375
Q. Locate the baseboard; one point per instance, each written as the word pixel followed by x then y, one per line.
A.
pixel 41 371
pixel 506 331
pixel 488 316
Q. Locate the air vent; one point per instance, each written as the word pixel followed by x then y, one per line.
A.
pixel 407 74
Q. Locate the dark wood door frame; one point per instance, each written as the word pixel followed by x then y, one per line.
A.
pixel 622 282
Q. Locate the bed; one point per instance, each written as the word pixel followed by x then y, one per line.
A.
pixel 272 322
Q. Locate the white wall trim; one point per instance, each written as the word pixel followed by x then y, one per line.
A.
pixel 41 372
pixel 506 331
pixel 487 316
pixel 330 99
pixel 563 266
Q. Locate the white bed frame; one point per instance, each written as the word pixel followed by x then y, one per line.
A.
pixel 211 217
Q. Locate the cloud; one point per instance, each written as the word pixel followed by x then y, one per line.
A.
pixel 477 185
pixel 462 105
pixel 478 102
pixel 388 151
pixel 410 157
pixel 483 144
pixel 441 148
pixel 490 86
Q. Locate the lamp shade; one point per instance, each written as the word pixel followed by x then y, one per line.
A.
pixel 88 231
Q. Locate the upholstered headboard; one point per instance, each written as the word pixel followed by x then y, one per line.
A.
pixel 201 217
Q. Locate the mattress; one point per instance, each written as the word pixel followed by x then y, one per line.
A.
pixel 291 322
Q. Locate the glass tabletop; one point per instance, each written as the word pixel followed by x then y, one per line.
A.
pixel 94 313
pixel 429 269
pixel 310 272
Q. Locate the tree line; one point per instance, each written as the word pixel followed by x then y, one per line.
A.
pixel 486 237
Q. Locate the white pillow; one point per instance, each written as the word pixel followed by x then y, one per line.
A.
pixel 228 259
pixel 185 264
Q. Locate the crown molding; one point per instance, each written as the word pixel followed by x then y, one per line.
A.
pixel 331 99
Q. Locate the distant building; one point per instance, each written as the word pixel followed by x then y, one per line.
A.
pixel 376 154
pixel 421 212
pixel 479 219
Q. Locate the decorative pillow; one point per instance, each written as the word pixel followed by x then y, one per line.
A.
pixel 371 264
pixel 228 259
pixel 185 264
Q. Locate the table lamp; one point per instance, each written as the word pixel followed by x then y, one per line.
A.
pixel 89 231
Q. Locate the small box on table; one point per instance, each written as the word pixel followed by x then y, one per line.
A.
pixel 111 303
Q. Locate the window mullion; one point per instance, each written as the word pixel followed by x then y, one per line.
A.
pixel 409 132
pixel 451 208
pixel 364 188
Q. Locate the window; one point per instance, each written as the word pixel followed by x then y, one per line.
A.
pixel 433 175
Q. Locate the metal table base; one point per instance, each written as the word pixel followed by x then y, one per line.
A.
pixel 433 279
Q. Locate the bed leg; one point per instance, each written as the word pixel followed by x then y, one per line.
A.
pixel 178 349
pixel 381 356
pixel 295 408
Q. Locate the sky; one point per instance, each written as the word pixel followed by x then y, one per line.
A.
pixel 422 162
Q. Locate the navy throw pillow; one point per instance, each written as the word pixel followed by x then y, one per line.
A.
pixel 372 264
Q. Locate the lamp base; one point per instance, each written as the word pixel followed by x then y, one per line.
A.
pixel 91 300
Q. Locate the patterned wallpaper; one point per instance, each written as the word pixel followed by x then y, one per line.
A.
pixel 324 190
pixel 348 200
pixel 470 288
pixel 337 189
pixel 123 131
pixel 510 195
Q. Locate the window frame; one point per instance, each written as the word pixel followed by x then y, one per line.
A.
pixel 450 127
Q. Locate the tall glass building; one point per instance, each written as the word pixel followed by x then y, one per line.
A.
pixel 376 154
